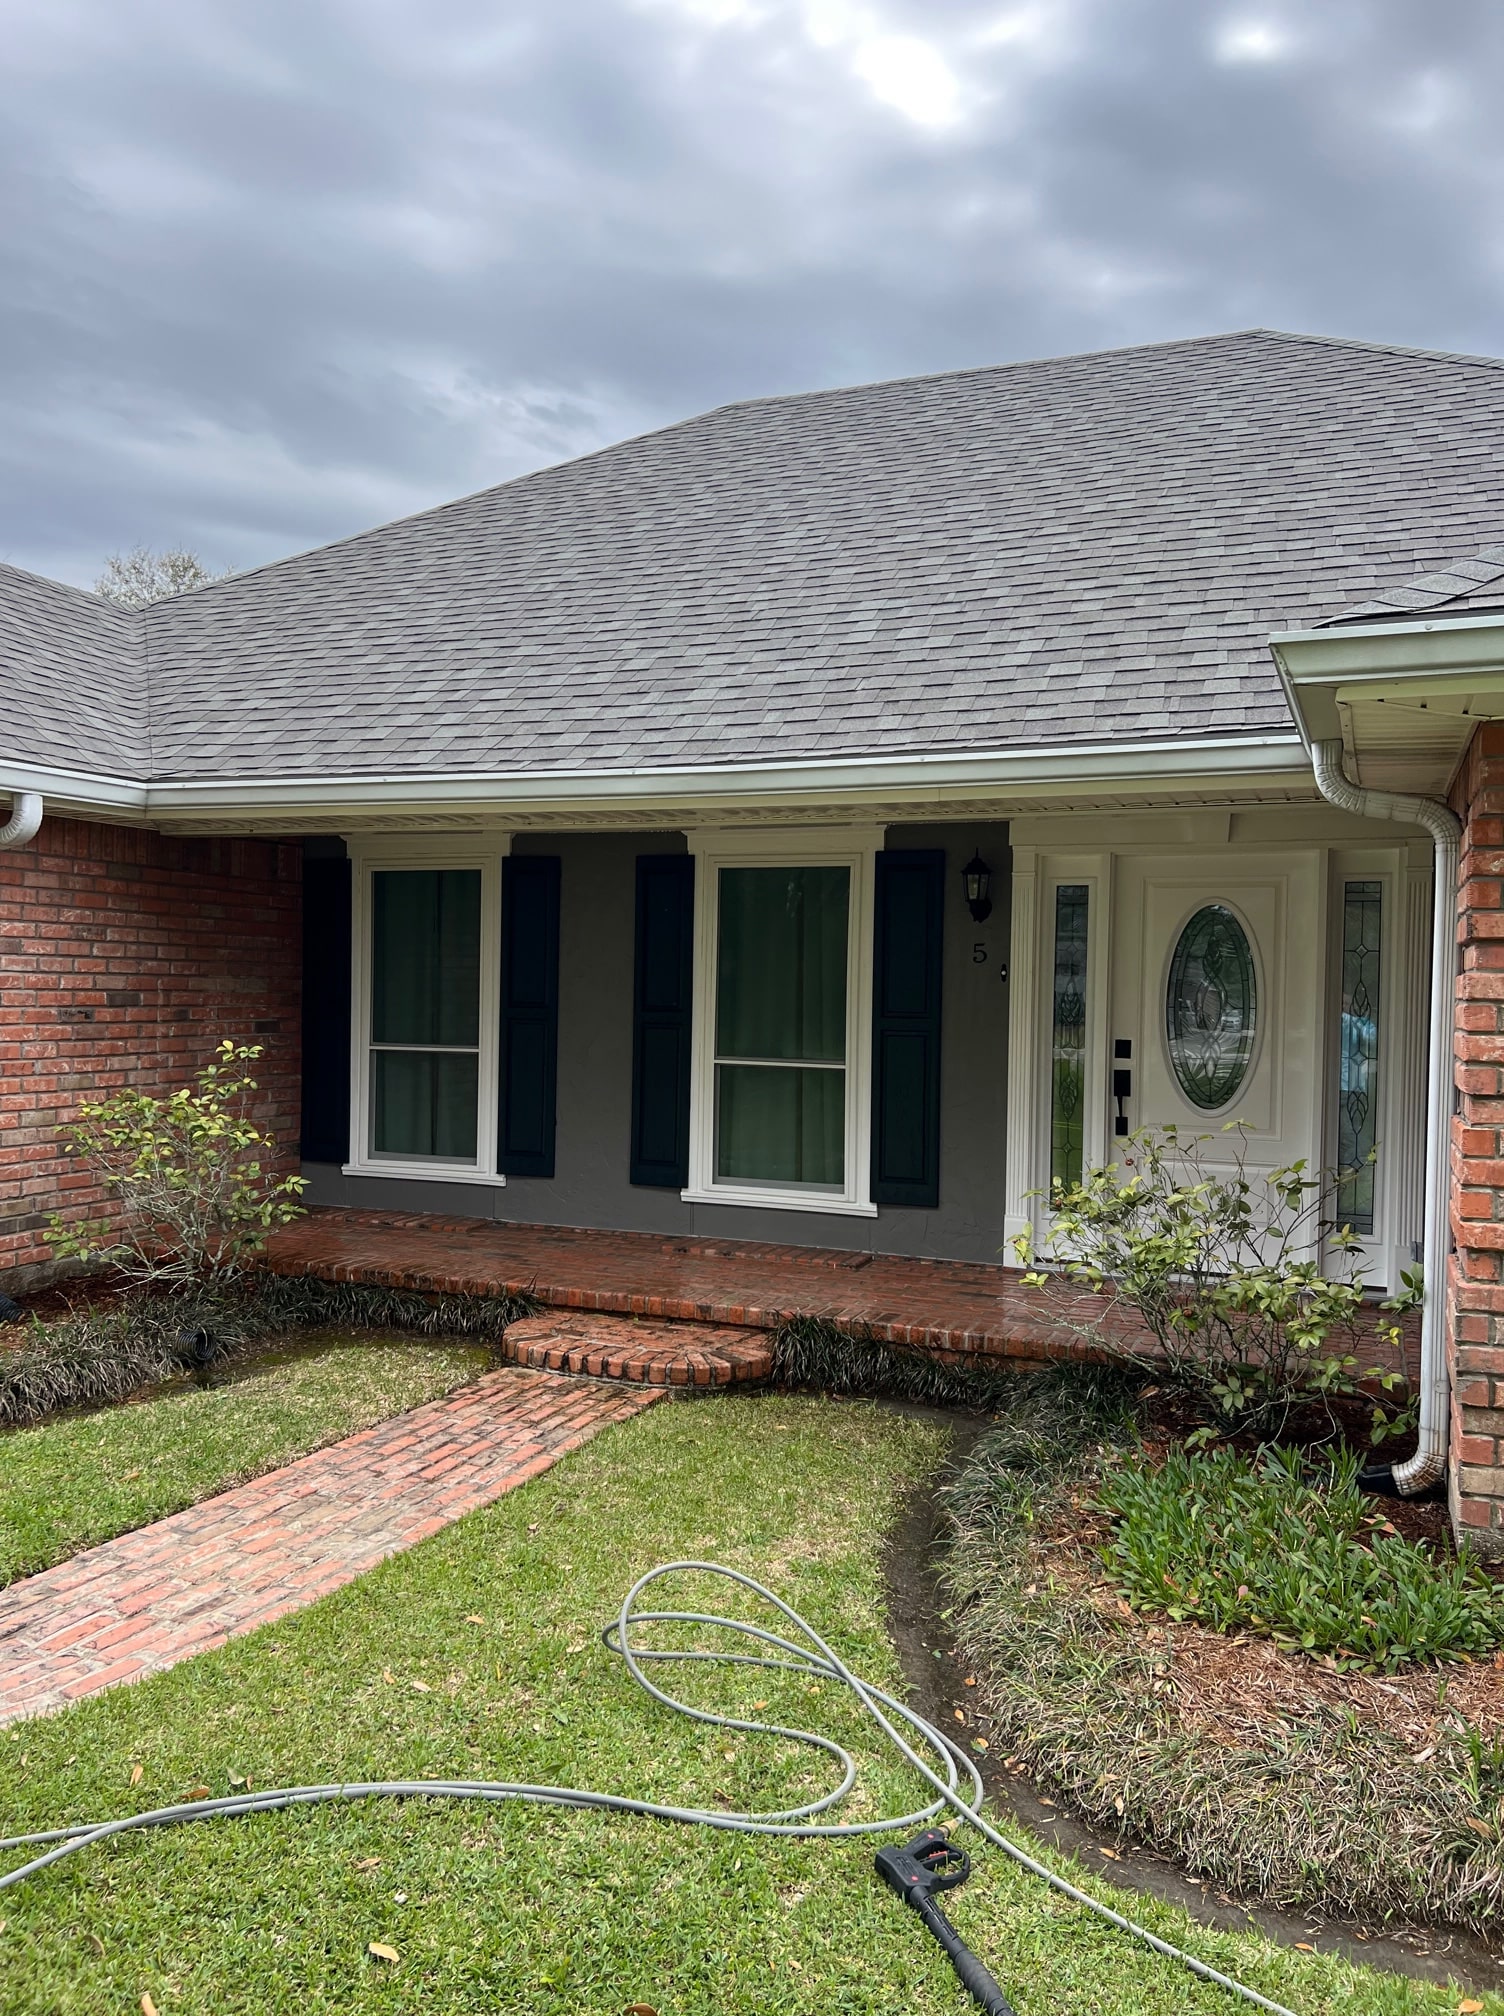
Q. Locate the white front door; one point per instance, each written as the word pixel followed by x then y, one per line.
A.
pixel 1217 1000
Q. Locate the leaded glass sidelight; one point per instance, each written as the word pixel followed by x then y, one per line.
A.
pixel 1211 1007
pixel 1358 1053
pixel 1068 1037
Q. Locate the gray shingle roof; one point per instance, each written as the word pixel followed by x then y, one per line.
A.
pixel 1080 548
pixel 72 677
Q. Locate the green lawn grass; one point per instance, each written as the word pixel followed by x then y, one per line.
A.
pixel 73 1482
pixel 495 1909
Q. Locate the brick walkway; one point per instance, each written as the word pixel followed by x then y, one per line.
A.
pixel 189 1582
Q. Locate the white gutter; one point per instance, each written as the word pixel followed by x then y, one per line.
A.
pixel 25 818
pixel 1428 1465
pixel 1120 763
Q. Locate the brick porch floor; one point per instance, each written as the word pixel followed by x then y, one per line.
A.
pixel 949 1306
pixel 189 1582
pixel 945 1305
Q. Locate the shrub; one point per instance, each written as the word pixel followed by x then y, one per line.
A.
pixel 274 1302
pixel 1052 1424
pixel 1268 1545
pixel 1218 1269
pixel 187 1172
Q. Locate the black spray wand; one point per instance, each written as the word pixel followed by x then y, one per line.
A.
pixel 931 1863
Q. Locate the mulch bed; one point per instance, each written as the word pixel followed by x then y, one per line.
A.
pixel 1238 1690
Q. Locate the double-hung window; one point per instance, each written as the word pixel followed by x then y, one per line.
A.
pixel 782 1039
pixel 425 1012
pixel 424 1054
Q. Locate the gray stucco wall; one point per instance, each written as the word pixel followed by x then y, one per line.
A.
pixel 595 1077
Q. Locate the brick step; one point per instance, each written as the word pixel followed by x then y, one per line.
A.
pixel 649 1352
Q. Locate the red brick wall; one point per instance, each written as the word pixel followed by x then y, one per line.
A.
pixel 125 957
pixel 1477 1188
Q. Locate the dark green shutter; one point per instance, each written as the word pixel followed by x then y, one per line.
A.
pixel 529 1013
pixel 906 1027
pixel 325 1123
pixel 662 997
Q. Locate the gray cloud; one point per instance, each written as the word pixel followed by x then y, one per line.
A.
pixel 278 269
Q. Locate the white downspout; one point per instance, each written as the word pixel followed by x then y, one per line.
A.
pixel 1428 1465
pixel 25 818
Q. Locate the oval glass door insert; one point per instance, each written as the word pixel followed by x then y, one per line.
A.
pixel 1211 1007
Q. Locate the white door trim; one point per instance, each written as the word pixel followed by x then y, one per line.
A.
pixel 1049 851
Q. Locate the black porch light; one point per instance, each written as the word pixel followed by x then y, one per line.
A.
pixel 976 879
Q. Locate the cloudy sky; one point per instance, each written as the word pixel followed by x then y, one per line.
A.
pixel 275 270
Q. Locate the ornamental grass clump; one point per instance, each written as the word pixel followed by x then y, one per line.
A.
pixel 821 1356
pixel 1295 1553
pixel 91 1359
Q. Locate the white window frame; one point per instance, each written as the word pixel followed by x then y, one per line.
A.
pixel 853 849
pixel 396 853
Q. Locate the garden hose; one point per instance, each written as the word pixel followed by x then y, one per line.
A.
pixel 947 1770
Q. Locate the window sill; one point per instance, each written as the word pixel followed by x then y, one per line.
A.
pixel 781 1200
pixel 425 1172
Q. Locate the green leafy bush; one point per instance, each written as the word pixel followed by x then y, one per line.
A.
pixel 1268 1546
pixel 1220 1269
pixel 187 1173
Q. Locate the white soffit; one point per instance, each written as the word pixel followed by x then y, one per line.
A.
pixel 1404 697
pixel 1400 742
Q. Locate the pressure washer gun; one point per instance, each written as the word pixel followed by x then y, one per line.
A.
pixel 929 1864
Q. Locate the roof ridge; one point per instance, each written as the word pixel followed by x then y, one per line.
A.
pixel 208 588
pixel 1113 350
pixel 68 588
pixel 1260 331
pixel 990 370
pixel 1433 589
pixel 1480 357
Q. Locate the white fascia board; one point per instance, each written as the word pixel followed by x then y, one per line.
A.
pixel 1457 653
pixel 1121 763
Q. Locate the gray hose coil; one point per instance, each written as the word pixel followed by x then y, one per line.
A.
pixel 956 1783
